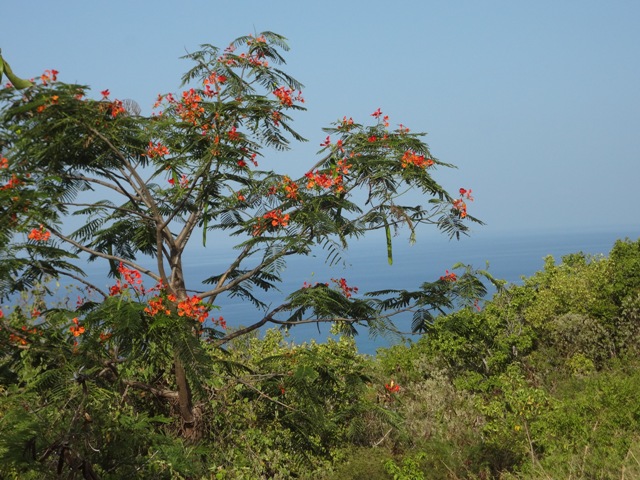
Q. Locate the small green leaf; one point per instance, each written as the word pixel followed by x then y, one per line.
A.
pixel 305 372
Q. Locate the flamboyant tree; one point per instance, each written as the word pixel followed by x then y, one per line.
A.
pixel 150 186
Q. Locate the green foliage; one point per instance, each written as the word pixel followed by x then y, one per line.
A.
pixel 539 384
pixel 145 364
pixel 359 463
pixel 139 382
pixel 593 426
pixel 493 393
pixel 142 186
pixel 408 470
pixel 625 272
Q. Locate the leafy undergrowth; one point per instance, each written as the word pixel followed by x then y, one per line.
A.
pixel 542 383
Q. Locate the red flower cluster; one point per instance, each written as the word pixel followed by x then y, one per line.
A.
pixel 342 167
pixel 466 193
pixel 190 307
pixel 214 80
pixel 22 338
pixel 132 278
pixel 39 234
pixel 4 163
pixel 346 124
pixel 13 182
pixel 259 39
pixel 168 96
pixel 377 114
pixel 277 218
pixel 411 158
pixel 221 322
pixel 157 150
pixel 318 179
pixel 53 100
pixel 273 219
pixel 156 305
pixel 392 387
pixel 183 183
pixel 333 179
pixel 49 76
pixel 233 135
pixel 190 108
pixel 116 108
pixel 116 289
pixel 285 95
pixel 459 205
pixel 105 336
pixel 255 59
pixel 449 276
pixel 346 289
pixel 241 163
pixel 193 307
pixel 76 329
pixel 17 339
pixel 327 142
pixel 290 188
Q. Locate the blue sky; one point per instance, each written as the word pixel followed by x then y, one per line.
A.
pixel 537 103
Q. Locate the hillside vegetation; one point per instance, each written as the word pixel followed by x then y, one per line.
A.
pixel 541 382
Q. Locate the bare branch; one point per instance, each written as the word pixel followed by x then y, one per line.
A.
pixel 83 281
pixel 141 189
pixel 236 263
pixel 236 281
pixel 158 392
pixel 243 331
pixel 115 187
pixel 115 258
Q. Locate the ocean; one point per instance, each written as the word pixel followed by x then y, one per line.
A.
pixel 510 256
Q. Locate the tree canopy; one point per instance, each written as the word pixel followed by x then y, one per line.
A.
pixel 150 186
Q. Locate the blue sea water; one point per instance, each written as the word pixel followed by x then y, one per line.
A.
pixel 511 257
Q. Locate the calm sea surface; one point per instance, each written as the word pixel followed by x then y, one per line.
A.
pixel 510 256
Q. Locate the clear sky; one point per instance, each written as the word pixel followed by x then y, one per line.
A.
pixel 537 103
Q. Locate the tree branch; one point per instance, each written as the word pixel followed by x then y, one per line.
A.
pixel 110 207
pixel 115 258
pixel 83 281
pixel 243 331
pixel 142 190
pixel 216 291
pixel 158 392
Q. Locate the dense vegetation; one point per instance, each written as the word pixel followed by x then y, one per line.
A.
pixel 142 380
pixel 542 382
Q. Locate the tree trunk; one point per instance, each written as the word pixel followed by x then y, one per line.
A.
pixel 185 397
pixel 185 403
